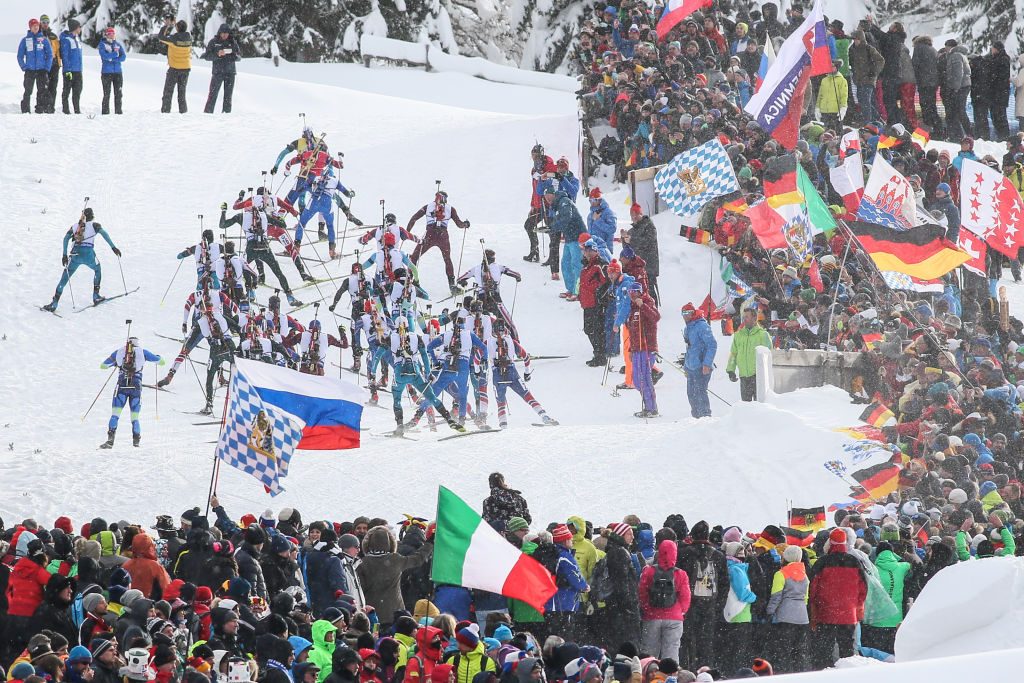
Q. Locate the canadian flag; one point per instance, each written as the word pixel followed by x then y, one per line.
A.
pixel 975 246
pixel 991 208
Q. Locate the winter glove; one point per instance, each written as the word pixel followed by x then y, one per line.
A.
pixel 349 193
pixel 527 376
pixel 732 376
pixel 467 224
pixel 517 277
pixel 184 328
pixel 331 308
pixel 64 260
pixel 223 206
pixel 162 362
pixel 273 171
pixel 241 193
pixel 117 252
pixel 68 75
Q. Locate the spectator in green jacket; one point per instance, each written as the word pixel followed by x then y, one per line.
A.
pixel 892 572
pixel 743 356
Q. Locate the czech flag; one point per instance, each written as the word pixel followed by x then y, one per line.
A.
pixel 777 105
pixel 331 409
pixel 675 12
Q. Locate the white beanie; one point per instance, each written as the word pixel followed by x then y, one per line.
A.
pixel 957 497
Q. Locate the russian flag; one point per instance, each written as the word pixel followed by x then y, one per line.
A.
pixel 778 104
pixel 767 59
pixel 676 11
pixel 330 408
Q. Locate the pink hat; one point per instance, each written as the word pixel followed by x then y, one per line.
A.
pixel 33 22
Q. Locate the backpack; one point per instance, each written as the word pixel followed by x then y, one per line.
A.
pixel 77 611
pixel 706 585
pixel 600 581
pixel 662 592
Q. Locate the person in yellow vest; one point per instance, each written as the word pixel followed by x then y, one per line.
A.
pixel 53 78
pixel 179 64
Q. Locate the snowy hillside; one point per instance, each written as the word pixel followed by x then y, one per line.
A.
pixel 149 175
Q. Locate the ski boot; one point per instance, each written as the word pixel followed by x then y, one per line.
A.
pixel 596 362
pixel 548 420
pixel 96 296
pixel 455 424
pixel 167 379
pixel 292 301
pixel 502 424
pixel 624 385
pixel 532 257
pixel 645 414
pixel 261 279
pixel 656 374
pixel 303 273
pixel 480 420
pixel 136 438
pixel 356 364
pixel 109 443
pixel 51 307
pixel 207 409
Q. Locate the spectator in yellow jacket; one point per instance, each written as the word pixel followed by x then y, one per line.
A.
pixel 832 97
pixel 179 64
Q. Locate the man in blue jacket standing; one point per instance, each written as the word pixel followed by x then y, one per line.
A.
pixel 223 51
pixel 700 359
pixel 71 66
pixel 111 54
pixel 35 57
pixel 567 222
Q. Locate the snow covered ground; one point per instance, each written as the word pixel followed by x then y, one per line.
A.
pixel 149 175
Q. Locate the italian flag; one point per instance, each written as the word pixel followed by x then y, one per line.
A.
pixel 468 552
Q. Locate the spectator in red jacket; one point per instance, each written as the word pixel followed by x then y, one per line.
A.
pixel 662 627
pixel 147 573
pixel 643 345
pixel 837 593
pixel 25 590
pixel 593 285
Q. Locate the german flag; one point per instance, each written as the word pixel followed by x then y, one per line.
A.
pixel 877 481
pixel 801 539
pixel 696 235
pixel 738 205
pixel 871 339
pixel 780 182
pixel 877 415
pixel 920 137
pixel 887 142
pixel 920 252
pixel 807 519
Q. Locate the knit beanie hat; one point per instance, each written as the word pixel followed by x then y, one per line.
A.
pixel 516 524
pixel 469 636
pixel 837 539
pixel 792 553
pixel 561 534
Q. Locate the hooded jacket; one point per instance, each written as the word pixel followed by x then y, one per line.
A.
pixel 566 219
pixel 701 345
pixel 743 354
pixel 583 548
pixel 788 602
pixel 468 664
pixel 503 504
pixel 322 652
pixel 380 572
pixel 601 221
pixel 420 666
pixel 892 572
pixel 52 612
pixel 224 65
pixel 147 574
pixel 668 552
pixel 643 238
pixel 198 549
pixel 25 588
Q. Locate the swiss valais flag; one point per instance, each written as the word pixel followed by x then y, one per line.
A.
pixel 991 208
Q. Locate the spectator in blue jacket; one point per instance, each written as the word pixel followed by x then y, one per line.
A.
pixel 700 360
pixel 35 57
pixel 111 54
pixel 567 182
pixel 567 224
pixel 71 66
pixel 324 572
pixel 560 612
pixel 601 219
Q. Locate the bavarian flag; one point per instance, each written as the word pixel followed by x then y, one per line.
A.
pixel 877 415
pixel 922 252
pixel 807 519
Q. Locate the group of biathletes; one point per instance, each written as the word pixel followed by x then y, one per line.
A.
pixel 473 344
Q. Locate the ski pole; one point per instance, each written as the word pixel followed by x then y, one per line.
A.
pixel 98 394
pixel 180 261
pixel 683 372
pixel 515 294
pixel 458 271
pixel 156 392
pixel 121 268
pixel 344 229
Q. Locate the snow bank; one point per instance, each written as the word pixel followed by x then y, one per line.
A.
pixel 986 666
pixel 416 53
pixel 975 606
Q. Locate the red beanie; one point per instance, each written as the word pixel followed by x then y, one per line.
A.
pixel 762 667
pixel 615 266
pixel 85 530
pixel 248 519
pixel 64 524
pixel 203 595
pixel 584 236
pixel 561 534
pixel 837 539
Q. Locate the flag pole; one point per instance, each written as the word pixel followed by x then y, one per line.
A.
pixel 835 295
pixel 215 470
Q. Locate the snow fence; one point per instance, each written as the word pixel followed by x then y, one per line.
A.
pixel 434 59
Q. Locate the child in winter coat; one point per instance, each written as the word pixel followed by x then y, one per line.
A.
pixel 787 608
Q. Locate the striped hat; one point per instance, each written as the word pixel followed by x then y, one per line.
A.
pixel 561 534
pixel 619 528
